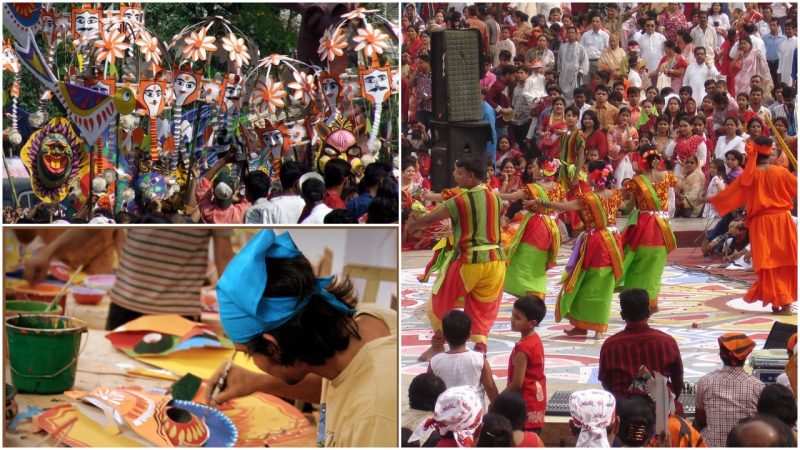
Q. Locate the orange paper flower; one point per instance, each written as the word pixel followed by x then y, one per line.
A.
pixel 111 47
pixel 268 95
pixel 358 13
pixel 303 87
pixel 198 44
pixel 148 45
pixel 237 50
pixel 371 40
pixel 332 45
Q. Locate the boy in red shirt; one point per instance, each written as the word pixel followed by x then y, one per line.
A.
pixel 526 364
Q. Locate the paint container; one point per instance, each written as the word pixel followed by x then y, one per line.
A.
pixel 42 292
pixel 19 307
pixel 43 352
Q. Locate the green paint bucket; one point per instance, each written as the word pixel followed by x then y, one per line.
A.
pixel 17 307
pixel 43 352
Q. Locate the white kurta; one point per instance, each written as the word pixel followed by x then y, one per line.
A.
pixel 696 76
pixel 652 47
pixel 572 61
pixel 786 55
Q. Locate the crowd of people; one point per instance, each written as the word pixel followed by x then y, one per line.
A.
pixel 336 195
pixel 647 111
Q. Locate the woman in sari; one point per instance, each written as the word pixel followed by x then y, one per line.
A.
pixel 782 126
pixel 595 266
pixel 595 138
pixel 510 180
pixel 693 189
pixel 685 46
pixel 622 139
pixel 749 62
pixel 414 43
pixel 662 137
pixel 685 145
pixel 673 65
pixel 731 140
pixel 648 236
pixel 611 57
pixel 553 127
pixel 541 53
pixel 535 246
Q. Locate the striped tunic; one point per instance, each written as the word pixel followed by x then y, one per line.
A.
pixel 161 271
pixel 476 224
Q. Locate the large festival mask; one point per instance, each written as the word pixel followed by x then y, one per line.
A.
pixel 86 20
pixel 275 139
pixel 186 87
pixel 54 156
pixel 10 61
pixel 49 22
pixel 232 89
pixel 331 89
pixel 132 12
pixel 376 83
pixel 339 142
pixel 152 94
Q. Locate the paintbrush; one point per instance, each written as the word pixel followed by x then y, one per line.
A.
pixel 220 384
pixel 64 288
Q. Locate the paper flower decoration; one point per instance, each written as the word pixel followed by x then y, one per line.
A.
pixel 111 47
pixel 269 95
pixel 303 87
pixel 273 59
pixel 371 40
pixel 358 13
pixel 149 47
pixel 198 44
pixel 237 50
pixel 332 45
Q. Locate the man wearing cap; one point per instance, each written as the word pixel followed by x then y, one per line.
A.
pixel 216 198
pixel 312 341
pixel 727 395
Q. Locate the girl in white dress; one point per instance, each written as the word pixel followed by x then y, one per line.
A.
pixel 716 171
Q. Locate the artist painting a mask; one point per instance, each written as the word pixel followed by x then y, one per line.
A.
pixel 312 340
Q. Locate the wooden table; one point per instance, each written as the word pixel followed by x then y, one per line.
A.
pixel 98 365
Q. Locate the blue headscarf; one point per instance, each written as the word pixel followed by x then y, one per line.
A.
pixel 244 310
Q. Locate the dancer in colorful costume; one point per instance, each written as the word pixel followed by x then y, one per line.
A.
pixel 648 236
pixel 473 273
pixel 573 156
pixel 767 192
pixel 595 266
pixel 535 245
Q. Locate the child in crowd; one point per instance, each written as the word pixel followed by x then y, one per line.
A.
pixel 511 405
pixel 716 170
pixel 734 160
pixel 495 432
pixel 460 366
pixel 423 391
pixel 526 363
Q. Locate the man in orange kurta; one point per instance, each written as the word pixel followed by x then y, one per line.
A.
pixel 767 192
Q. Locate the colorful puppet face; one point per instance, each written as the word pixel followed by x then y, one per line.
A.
pixel 233 90
pixel 275 140
pixel 151 94
pixel 10 61
pixel 331 89
pixel 376 83
pixel 49 27
pixel 186 87
pixel 54 156
pixel 340 142
pixel 86 21
pixel 132 14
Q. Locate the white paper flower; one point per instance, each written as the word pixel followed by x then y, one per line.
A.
pixel 198 44
pixel 149 47
pixel 237 50
pixel 358 13
pixel 371 40
pixel 111 47
pixel 331 45
pixel 303 87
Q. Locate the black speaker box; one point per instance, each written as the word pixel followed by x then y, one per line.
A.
pixel 453 141
pixel 456 70
pixel 779 335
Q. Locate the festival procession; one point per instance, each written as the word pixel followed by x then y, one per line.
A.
pixel 201 337
pixel 200 113
pixel 599 224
